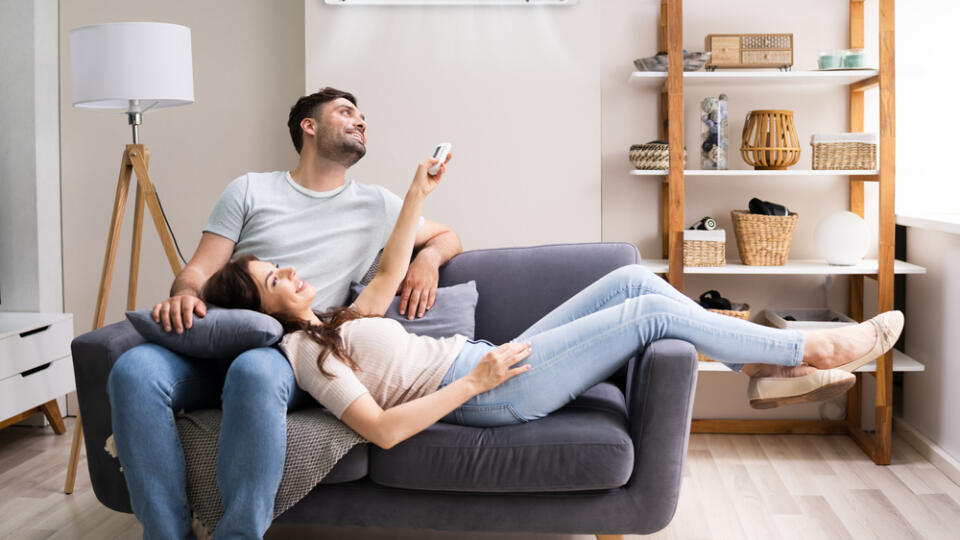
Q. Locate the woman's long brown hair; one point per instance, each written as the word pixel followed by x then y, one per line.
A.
pixel 233 287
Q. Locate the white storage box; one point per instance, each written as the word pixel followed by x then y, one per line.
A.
pixel 807 318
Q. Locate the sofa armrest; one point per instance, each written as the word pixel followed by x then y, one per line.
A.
pixel 660 391
pixel 94 354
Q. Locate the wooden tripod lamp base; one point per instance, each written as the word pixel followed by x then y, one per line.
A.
pixel 136 159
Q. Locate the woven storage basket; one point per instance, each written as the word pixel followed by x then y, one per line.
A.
pixel 740 314
pixel 654 155
pixel 763 240
pixel 844 151
pixel 704 248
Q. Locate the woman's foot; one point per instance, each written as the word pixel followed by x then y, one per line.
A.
pixel 851 347
pixel 818 385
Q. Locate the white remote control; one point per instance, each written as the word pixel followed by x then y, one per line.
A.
pixel 440 152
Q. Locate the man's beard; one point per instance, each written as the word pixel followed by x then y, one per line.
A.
pixel 346 151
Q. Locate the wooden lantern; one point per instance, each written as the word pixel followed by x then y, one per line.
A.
pixel 770 140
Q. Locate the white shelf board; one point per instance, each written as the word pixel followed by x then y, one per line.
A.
pixel 948 223
pixel 752 172
pixel 784 79
pixel 901 362
pixel 793 267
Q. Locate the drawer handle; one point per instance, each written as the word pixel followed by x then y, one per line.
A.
pixel 30 372
pixel 34 331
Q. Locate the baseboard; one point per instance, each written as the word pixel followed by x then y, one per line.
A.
pixel 939 457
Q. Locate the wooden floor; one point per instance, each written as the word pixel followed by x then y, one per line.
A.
pixel 734 486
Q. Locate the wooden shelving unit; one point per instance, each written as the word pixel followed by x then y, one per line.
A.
pixel 671 86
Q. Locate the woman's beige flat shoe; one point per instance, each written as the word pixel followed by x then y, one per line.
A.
pixel 821 385
pixel 889 325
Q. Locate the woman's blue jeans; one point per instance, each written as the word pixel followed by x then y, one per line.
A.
pixel 149 383
pixel 590 336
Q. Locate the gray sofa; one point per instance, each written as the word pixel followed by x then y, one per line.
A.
pixel 608 463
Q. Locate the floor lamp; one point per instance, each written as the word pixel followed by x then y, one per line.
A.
pixel 129 67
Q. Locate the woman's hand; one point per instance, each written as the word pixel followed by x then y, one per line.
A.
pixel 423 181
pixel 494 368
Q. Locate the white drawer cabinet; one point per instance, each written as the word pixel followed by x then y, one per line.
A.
pixel 35 365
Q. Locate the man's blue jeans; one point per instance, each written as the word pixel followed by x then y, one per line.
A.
pixel 149 383
pixel 590 336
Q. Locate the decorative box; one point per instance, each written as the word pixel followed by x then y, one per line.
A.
pixel 750 51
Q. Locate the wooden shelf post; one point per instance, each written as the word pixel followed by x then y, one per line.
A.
pixel 675 189
pixel 887 234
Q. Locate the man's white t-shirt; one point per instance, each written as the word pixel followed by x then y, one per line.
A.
pixel 330 237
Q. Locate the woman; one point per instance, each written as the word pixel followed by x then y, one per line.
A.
pixel 389 385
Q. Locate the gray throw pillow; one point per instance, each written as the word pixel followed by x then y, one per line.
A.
pixel 453 311
pixel 222 333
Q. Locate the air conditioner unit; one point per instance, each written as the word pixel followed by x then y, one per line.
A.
pixel 451 2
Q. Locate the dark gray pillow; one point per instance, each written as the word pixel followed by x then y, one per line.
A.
pixel 453 311
pixel 222 333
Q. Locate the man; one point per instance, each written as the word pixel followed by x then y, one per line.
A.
pixel 312 218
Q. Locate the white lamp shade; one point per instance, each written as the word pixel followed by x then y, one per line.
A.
pixel 147 63
pixel 843 238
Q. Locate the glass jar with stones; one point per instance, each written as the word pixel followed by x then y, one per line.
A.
pixel 713 132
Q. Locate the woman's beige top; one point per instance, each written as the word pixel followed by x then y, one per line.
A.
pixel 395 366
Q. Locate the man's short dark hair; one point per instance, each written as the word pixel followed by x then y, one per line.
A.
pixel 308 107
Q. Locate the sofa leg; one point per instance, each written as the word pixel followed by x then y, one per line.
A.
pixel 609 537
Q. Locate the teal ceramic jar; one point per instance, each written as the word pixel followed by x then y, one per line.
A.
pixel 830 59
pixel 854 58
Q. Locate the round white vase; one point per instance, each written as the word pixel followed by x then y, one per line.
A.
pixel 842 238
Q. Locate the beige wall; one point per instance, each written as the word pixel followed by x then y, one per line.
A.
pixel 248 71
pixel 517 90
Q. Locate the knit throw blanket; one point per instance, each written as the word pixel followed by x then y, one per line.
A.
pixel 316 440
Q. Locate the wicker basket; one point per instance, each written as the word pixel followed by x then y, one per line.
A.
pixel 743 313
pixel 763 240
pixel 652 156
pixel 704 248
pixel 844 151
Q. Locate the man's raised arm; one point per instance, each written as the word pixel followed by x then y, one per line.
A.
pixel 176 312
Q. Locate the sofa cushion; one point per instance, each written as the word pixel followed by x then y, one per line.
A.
pixel 584 446
pixel 520 285
pixel 453 312
pixel 221 333
pixel 352 466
